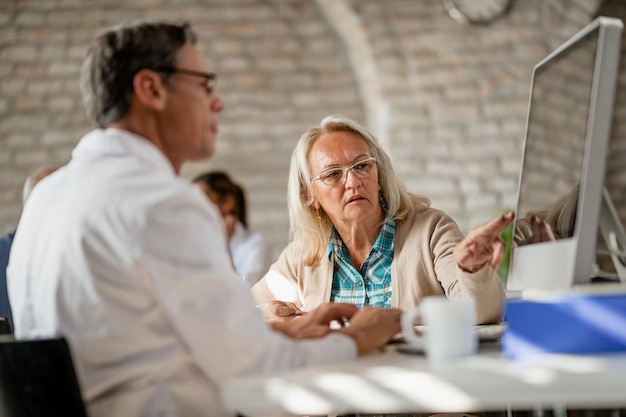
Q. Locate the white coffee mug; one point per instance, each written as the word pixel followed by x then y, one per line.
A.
pixel 448 332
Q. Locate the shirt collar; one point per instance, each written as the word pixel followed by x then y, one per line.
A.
pixel 109 142
pixel 383 244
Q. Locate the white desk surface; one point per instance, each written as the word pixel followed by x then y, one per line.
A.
pixel 393 382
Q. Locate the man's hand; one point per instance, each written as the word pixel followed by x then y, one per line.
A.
pixel 316 323
pixel 372 327
pixel 369 327
pixel 482 245
pixel 278 311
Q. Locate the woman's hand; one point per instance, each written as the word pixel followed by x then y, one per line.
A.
pixel 483 245
pixel 277 311
pixel 540 232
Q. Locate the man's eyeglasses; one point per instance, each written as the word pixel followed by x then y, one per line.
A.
pixel 334 176
pixel 210 79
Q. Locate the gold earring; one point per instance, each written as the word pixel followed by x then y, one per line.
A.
pixel 318 218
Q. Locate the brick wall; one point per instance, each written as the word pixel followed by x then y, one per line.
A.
pixel 448 100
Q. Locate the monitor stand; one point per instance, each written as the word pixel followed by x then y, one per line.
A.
pixel 614 235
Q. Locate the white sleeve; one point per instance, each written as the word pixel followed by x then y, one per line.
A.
pixel 210 307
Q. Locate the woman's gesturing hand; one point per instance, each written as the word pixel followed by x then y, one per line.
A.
pixel 483 245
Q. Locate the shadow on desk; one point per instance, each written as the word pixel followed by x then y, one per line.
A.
pixel 557 413
pixel 517 413
pixel 484 385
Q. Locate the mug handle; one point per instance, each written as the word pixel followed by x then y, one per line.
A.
pixel 408 330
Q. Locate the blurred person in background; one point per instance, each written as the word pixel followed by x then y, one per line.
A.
pixel 6 242
pixel 249 251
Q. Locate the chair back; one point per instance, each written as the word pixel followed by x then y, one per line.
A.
pixel 38 379
pixel 5 327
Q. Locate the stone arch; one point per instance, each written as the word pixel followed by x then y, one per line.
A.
pixel 347 24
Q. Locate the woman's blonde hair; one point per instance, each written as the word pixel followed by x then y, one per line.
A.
pixel 314 226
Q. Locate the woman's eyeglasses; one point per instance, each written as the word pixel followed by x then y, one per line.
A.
pixel 334 176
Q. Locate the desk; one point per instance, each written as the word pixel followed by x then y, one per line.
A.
pixel 393 382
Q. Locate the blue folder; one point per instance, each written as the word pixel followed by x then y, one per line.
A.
pixel 573 324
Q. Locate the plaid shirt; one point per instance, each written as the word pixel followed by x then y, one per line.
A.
pixel 370 286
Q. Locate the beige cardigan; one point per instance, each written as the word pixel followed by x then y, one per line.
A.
pixel 423 265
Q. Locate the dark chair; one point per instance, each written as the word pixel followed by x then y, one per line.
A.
pixel 38 379
pixel 5 327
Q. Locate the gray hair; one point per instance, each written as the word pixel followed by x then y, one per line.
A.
pixel 118 54
pixel 398 203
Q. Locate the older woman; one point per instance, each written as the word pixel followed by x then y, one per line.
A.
pixel 358 236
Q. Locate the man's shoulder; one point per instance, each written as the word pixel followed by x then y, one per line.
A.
pixel 153 188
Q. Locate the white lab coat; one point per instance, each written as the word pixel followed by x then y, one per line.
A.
pixel 130 263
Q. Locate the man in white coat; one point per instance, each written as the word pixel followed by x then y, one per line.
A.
pixel 129 262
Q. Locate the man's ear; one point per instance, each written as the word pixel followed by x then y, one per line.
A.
pixel 149 89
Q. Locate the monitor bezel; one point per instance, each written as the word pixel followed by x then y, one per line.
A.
pixel 560 264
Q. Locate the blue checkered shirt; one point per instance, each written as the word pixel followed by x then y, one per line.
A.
pixel 370 286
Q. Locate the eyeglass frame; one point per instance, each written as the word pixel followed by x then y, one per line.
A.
pixel 344 171
pixel 209 77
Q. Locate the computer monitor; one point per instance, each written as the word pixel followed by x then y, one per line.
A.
pixel 567 133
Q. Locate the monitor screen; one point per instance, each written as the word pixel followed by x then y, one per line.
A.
pixel 568 126
pixel 555 141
